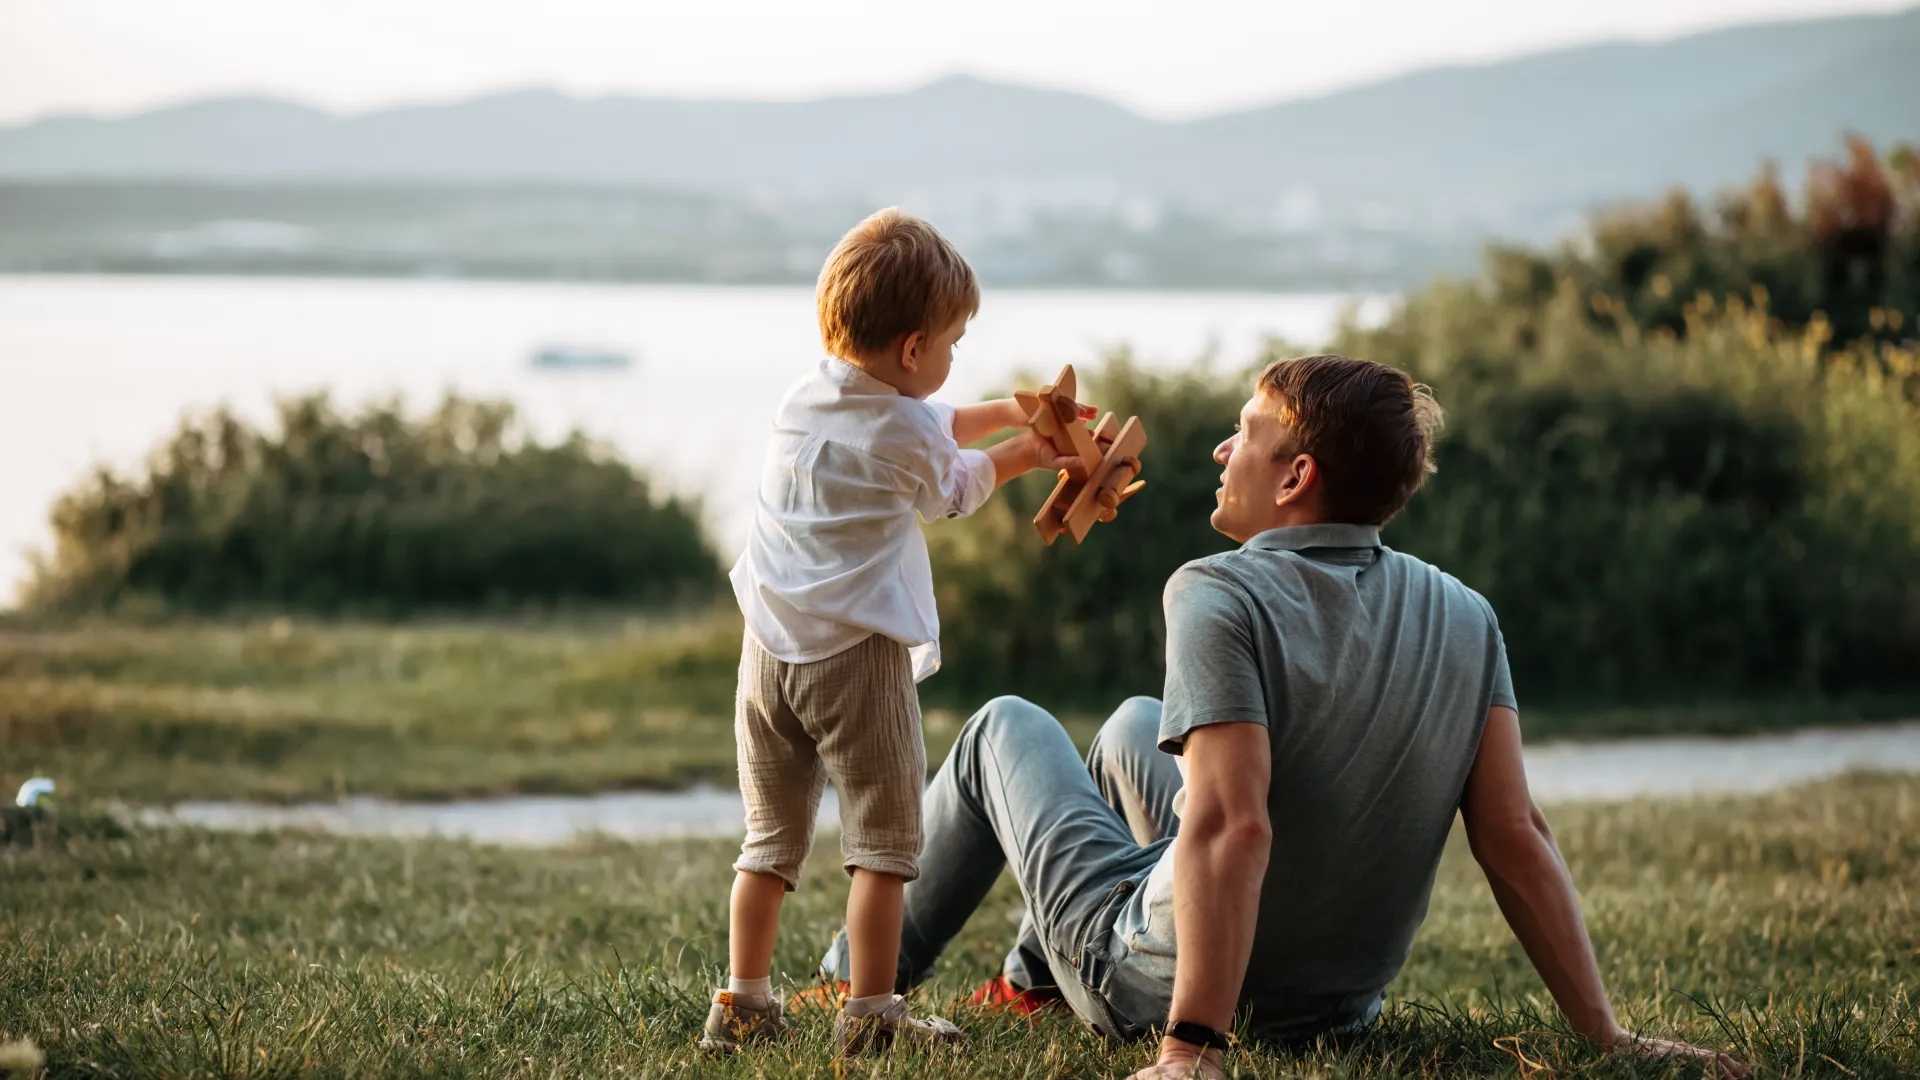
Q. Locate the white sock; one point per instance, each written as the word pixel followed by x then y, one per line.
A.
pixel 752 992
pixel 869 1006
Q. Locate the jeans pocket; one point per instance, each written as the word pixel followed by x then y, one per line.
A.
pixel 1097 942
pixel 1096 958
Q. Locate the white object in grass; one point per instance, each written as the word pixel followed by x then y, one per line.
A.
pixel 31 791
pixel 21 1058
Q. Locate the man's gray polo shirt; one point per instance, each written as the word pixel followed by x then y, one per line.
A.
pixel 1373 673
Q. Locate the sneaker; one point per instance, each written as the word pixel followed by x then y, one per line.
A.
pixel 892 1027
pixel 1000 993
pixel 732 1024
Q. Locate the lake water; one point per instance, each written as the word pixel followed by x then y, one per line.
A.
pixel 1558 772
pixel 98 369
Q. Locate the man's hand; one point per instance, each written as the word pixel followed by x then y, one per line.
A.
pixel 1634 1046
pixel 1510 839
pixel 1182 1061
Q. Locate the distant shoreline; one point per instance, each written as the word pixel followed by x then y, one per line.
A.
pixel 1305 287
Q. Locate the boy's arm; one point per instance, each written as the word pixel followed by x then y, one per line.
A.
pixel 1023 454
pixel 955 482
pixel 971 423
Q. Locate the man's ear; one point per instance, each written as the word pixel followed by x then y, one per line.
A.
pixel 911 348
pixel 1301 476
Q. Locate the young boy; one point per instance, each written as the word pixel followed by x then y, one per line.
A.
pixel 837 592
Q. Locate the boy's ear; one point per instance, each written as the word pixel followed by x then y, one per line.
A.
pixel 911 347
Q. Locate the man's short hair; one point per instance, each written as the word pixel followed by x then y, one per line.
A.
pixel 890 275
pixel 1369 427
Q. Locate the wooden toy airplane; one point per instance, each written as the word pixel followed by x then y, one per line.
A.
pixel 1108 453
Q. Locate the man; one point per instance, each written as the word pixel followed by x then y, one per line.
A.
pixel 1332 704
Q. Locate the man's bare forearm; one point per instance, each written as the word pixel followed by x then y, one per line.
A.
pixel 1219 863
pixel 1217 871
pixel 971 423
pixel 1530 881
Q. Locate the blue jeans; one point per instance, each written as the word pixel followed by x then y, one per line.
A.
pixel 1080 838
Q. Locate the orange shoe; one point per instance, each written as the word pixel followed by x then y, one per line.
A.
pixel 827 997
pixel 998 993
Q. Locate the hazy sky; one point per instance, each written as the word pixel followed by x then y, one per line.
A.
pixel 1165 59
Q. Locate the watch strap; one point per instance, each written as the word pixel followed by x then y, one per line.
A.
pixel 1197 1035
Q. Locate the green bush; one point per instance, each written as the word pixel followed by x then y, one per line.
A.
pixel 1733 511
pixel 375 513
pixel 1728 513
pixel 1847 255
pixel 1081 624
pixel 1682 461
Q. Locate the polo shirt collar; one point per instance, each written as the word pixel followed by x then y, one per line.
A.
pixel 1323 535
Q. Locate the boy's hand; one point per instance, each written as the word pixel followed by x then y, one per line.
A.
pixel 972 423
pixel 1046 457
pixel 1024 453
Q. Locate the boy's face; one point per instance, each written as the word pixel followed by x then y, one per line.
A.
pixel 926 359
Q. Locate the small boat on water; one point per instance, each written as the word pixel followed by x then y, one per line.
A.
pixel 581 358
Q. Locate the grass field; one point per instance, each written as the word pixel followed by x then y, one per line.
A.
pixel 1786 928
pixel 283 710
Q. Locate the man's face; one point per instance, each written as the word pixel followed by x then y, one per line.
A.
pixel 1255 474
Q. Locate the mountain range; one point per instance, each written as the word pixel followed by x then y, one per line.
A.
pixel 1558 129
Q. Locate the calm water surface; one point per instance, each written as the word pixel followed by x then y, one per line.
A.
pixel 1559 773
pixel 98 369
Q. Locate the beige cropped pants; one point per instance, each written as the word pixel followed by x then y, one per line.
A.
pixel 853 718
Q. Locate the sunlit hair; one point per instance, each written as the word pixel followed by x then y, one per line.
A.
pixel 890 275
pixel 1370 429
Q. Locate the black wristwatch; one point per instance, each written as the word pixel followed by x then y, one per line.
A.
pixel 1197 1035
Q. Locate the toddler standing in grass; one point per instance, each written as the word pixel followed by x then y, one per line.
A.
pixel 837 592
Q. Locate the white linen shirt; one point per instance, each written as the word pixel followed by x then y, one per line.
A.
pixel 834 554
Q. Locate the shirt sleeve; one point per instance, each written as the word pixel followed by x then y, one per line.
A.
pixel 1502 677
pixel 953 482
pixel 1213 670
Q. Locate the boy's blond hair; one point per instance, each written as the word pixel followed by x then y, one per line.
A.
pixel 890 275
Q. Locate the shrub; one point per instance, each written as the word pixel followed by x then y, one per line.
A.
pixel 1846 255
pixel 1081 624
pixel 375 513
pixel 1731 512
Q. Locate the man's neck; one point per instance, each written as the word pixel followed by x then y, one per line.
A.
pixel 1287 517
pixel 1293 514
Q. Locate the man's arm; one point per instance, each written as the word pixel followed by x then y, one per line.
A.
pixel 972 423
pixel 1220 859
pixel 1516 849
